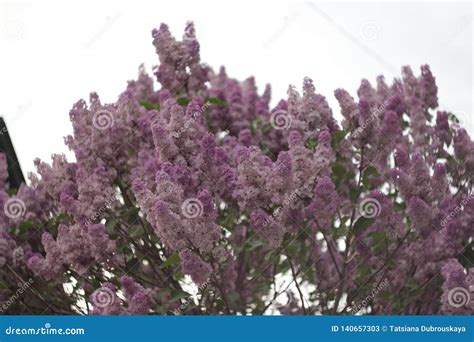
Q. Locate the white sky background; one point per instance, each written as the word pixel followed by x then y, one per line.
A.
pixel 53 53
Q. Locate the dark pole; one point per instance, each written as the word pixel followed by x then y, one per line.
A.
pixel 15 175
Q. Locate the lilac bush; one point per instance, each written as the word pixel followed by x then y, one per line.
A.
pixel 200 198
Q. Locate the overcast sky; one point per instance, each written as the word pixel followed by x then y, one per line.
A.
pixel 53 53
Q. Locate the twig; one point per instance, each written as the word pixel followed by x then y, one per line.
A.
pixel 296 282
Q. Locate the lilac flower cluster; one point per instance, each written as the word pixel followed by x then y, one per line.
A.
pixel 200 181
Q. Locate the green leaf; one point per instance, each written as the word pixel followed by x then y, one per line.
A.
pixel 137 231
pixel 182 101
pixel 178 275
pixel 267 128
pixel 339 173
pixel 131 213
pixel 132 264
pixel 256 244
pixel 178 294
pixel 266 150
pixel 172 260
pixel 411 283
pixel 24 230
pixel 256 123
pixel 215 100
pixel 311 143
pixel 368 172
pixel 339 170
pixel 379 241
pixel 147 104
pixel 363 271
pixel 371 171
pixel 110 225
pixel 362 224
pixel 354 194
pixel 340 232
pixel 400 206
pixel 233 296
pixel 337 137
